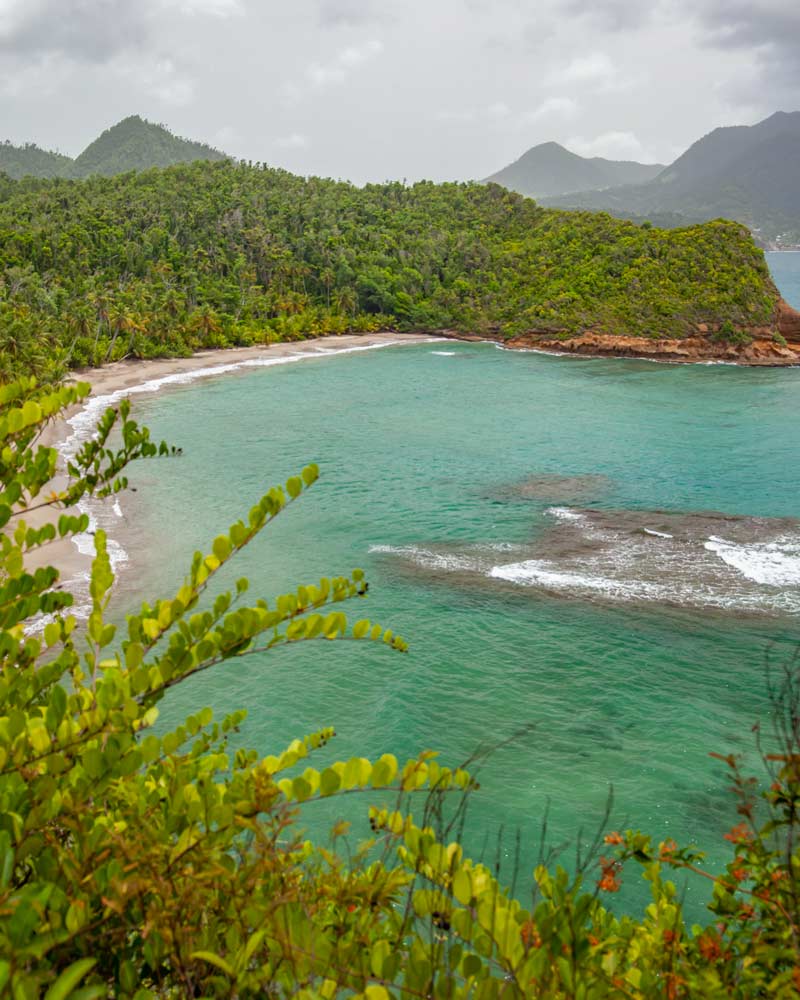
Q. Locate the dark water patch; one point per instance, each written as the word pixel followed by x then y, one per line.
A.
pixel 552 488
pixel 701 561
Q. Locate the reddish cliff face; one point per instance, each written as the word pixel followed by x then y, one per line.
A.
pixel 702 345
pixel 789 322
pixel 689 349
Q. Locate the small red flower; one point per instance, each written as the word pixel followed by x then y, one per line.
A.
pixel 740 834
pixel 609 880
pixel 667 849
pixel 530 935
pixel 708 945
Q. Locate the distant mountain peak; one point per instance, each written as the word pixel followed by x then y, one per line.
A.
pixel 550 169
pixel 134 143
pixel 743 172
pixel 137 144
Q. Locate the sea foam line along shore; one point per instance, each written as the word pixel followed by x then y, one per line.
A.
pixel 122 379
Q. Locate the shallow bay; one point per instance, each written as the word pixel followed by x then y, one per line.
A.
pixel 467 450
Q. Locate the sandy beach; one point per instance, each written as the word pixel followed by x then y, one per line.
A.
pixel 113 382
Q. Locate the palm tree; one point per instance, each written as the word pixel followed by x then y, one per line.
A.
pixel 346 300
pixel 205 322
pixel 122 320
pixel 327 277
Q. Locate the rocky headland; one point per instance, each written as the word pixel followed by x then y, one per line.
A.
pixel 776 345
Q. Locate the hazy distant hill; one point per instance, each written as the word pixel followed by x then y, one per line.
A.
pixel 549 169
pixel 136 144
pixel 31 161
pixel 745 173
pixel 132 144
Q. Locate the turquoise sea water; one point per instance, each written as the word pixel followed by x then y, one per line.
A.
pixel 512 512
pixel 785 267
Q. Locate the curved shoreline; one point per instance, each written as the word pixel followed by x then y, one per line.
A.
pixel 121 379
pixel 122 375
pixel 113 382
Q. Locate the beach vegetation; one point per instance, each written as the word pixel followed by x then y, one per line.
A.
pixel 730 334
pixel 140 860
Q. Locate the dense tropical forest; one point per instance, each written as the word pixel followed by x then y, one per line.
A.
pixel 213 254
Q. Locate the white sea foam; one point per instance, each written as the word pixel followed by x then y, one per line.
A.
pixel 772 564
pixel 599 555
pixel 607 357
pixel 83 423
pixel 538 572
pixel 614 565
pixel 532 350
pixel 444 354
pixel 565 514
pixel 429 558
pixel 547 576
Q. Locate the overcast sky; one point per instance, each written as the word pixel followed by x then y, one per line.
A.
pixel 377 89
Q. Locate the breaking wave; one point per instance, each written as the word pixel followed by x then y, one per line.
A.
pixel 694 561
pixel 774 564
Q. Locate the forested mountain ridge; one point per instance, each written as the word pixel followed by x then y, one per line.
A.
pixel 549 169
pixel 165 262
pixel 32 161
pixel 132 144
pixel 746 173
pixel 136 144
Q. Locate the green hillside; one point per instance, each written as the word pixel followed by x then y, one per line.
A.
pixel 549 169
pixel 136 144
pixel 743 173
pixel 216 254
pixel 31 161
pixel 132 144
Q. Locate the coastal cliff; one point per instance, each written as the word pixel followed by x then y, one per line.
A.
pixel 776 345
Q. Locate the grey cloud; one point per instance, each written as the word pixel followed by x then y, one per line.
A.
pixel 347 13
pixel 743 24
pixel 769 30
pixel 91 31
pixel 452 88
pixel 613 15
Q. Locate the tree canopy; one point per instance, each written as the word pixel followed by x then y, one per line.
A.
pixel 164 262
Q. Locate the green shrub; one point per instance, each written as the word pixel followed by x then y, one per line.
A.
pixel 730 334
pixel 139 863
